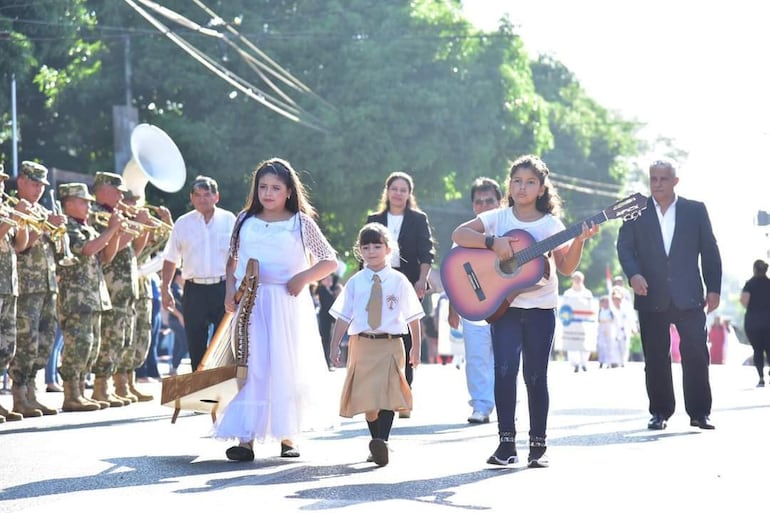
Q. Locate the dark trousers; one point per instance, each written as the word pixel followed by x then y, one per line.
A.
pixel 656 344
pixel 759 337
pixel 202 306
pixel 526 335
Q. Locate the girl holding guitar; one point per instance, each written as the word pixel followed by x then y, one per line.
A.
pixel 527 325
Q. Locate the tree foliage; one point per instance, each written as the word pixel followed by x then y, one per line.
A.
pixel 398 85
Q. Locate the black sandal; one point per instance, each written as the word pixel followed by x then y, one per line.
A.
pixel 240 453
pixel 287 451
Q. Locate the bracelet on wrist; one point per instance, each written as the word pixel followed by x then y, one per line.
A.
pixel 489 241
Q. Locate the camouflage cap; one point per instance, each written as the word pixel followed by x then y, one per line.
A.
pixel 74 190
pixel 104 178
pixel 35 171
pixel 130 195
pixel 3 176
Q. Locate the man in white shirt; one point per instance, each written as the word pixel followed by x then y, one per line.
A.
pixel 479 360
pixel 199 244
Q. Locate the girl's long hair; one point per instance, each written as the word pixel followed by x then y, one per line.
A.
pixel 549 202
pixel 297 201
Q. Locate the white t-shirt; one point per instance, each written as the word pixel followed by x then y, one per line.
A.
pixel 499 222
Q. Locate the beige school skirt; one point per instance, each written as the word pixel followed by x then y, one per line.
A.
pixel 375 378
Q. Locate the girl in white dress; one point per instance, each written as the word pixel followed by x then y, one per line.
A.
pixel 285 392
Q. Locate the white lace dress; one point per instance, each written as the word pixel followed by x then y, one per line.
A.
pixel 289 388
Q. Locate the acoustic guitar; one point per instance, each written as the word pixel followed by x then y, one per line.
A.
pixel 481 286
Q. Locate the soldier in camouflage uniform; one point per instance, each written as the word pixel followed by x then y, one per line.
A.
pixel 36 305
pixel 83 296
pixel 121 275
pixel 142 332
pixel 11 239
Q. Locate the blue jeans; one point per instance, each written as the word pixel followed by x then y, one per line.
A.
pixel 479 366
pixel 149 368
pixel 523 335
pixel 52 368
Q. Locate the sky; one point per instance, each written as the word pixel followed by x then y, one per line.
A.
pixel 694 72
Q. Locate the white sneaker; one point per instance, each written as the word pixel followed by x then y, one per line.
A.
pixel 478 418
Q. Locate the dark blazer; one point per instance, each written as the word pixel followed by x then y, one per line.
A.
pixel 414 241
pixel 675 278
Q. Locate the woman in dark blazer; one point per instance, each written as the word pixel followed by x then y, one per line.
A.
pixel 409 225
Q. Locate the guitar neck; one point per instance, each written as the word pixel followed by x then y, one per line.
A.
pixel 544 246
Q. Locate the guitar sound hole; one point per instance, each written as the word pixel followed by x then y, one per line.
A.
pixel 509 266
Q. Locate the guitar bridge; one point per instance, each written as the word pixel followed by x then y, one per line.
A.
pixel 473 279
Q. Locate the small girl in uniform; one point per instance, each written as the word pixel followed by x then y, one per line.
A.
pixel 375 308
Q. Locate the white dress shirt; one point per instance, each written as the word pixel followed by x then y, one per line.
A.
pixel 201 248
pixel 667 223
pixel 400 304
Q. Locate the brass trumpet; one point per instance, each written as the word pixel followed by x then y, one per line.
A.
pixel 126 226
pixel 37 220
pixel 8 221
pixel 63 241
pixel 32 222
pixel 131 211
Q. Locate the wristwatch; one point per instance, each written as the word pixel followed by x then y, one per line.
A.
pixel 489 241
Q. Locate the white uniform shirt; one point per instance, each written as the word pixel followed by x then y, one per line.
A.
pixel 400 304
pixel 500 221
pixel 201 248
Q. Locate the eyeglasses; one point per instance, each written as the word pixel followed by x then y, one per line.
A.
pixel 486 201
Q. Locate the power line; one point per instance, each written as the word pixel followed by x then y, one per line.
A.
pixel 288 111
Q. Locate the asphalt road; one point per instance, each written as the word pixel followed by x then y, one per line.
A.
pixel 603 458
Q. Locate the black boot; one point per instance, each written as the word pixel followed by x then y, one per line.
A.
pixel 506 451
pixel 537 457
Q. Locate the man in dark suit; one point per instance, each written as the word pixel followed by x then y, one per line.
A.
pixel 660 253
pixel 409 225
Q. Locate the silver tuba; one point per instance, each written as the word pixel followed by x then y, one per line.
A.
pixel 155 159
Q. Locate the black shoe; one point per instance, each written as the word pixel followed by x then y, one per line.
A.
pixel 702 422
pixel 657 422
pixel 379 451
pixel 239 453
pixel 504 455
pixel 761 383
pixel 288 451
pixel 537 457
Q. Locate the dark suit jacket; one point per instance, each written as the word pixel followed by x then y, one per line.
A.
pixel 675 278
pixel 414 241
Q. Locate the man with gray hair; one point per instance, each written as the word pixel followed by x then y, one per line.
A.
pixel 668 253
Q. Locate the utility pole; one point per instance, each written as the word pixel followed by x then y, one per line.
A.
pixel 124 117
pixel 15 136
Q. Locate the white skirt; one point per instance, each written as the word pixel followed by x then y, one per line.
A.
pixel 289 389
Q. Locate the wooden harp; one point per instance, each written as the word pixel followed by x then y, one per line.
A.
pixel 223 369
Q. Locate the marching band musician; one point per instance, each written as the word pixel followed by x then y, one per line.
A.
pixel 143 320
pixel 13 236
pixel 83 295
pixel 115 352
pixel 36 305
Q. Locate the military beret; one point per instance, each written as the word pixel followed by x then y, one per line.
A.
pixel 74 190
pixel 35 171
pixel 104 178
